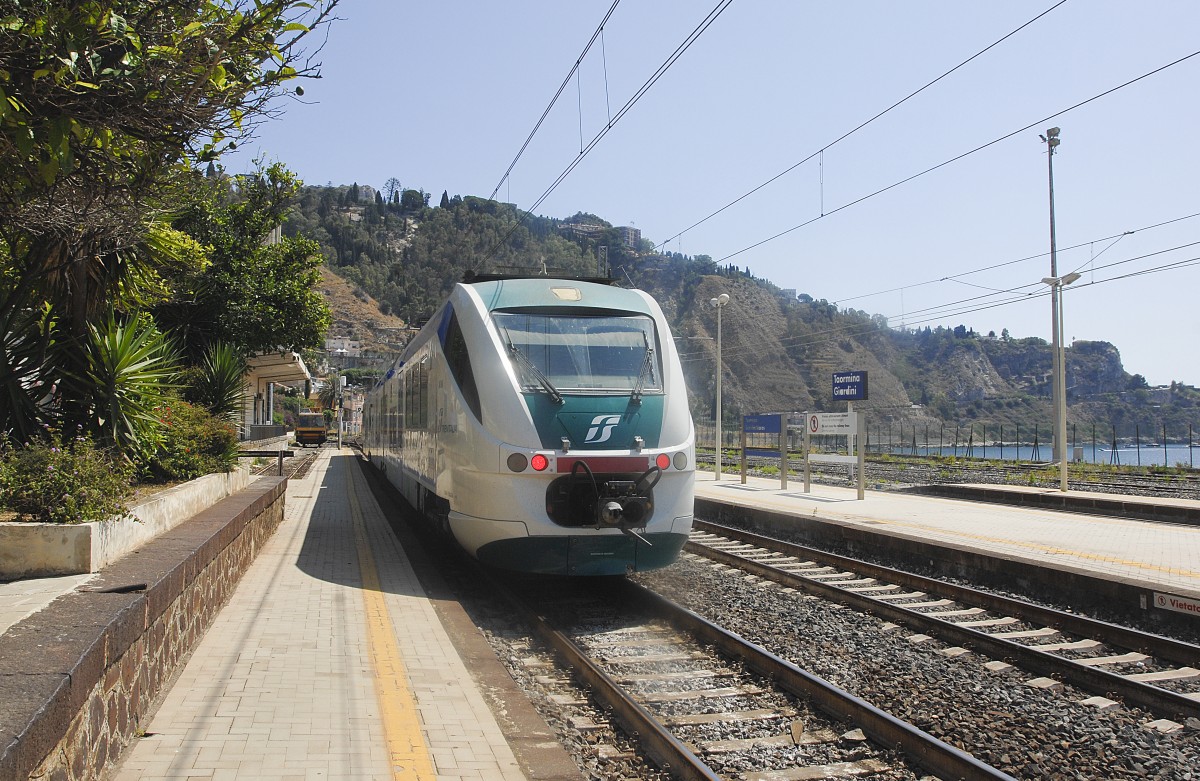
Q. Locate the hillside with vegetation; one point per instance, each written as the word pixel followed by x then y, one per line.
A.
pixel 780 348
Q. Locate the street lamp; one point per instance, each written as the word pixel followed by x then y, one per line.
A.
pixel 1060 374
pixel 719 302
pixel 1052 141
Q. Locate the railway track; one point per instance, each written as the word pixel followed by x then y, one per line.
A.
pixel 1157 673
pixel 294 467
pixel 674 674
pixel 706 704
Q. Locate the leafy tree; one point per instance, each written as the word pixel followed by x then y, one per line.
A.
pixel 445 204
pixel 104 104
pixel 255 296
pixel 392 190
pixel 412 200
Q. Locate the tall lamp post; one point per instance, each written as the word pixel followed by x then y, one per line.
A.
pixel 719 302
pixel 1060 374
pixel 1052 141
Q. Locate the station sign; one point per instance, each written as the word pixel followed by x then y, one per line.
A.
pixel 850 386
pixel 1178 604
pixel 843 423
pixel 762 424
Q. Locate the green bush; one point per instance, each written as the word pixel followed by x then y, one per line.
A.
pixel 52 482
pixel 194 443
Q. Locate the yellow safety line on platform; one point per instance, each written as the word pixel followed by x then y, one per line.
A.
pixel 407 753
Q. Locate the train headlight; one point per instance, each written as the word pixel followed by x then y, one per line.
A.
pixel 539 462
pixel 680 460
pixel 663 461
pixel 517 462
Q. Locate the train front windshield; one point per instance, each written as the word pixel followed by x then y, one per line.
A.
pixel 583 353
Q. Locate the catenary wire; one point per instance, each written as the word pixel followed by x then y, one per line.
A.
pixel 961 156
pixel 574 68
pixel 968 305
pixel 1008 263
pixel 712 16
pixel 854 130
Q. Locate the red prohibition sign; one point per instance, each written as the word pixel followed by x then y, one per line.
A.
pixel 812 423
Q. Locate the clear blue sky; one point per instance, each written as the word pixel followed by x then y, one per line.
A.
pixel 442 95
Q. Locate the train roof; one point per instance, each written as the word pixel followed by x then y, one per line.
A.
pixel 471 277
pixel 508 292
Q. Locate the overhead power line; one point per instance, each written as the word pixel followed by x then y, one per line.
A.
pixel 993 267
pixel 567 80
pixel 966 154
pixel 851 132
pixel 705 23
pixel 960 307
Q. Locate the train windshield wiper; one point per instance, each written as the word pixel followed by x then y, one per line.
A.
pixel 542 379
pixel 647 372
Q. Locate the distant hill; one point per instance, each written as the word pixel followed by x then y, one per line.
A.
pixel 399 257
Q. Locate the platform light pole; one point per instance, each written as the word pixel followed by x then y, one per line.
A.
pixel 1060 372
pixel 1052 141
pixel 719 302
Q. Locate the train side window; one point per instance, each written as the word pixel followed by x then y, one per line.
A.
pixel 416 395
pixel 460 366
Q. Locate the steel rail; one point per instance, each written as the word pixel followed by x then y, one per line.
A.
pixel 672 755
pixel 1153 698
pixel 932 754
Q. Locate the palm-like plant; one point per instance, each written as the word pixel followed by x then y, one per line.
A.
pixel 25 377
pixel 131 367
pixel 327 396
pixel 220 387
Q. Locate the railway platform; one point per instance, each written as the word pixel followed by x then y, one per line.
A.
pixel 336 658
pixel 331 661
pixel 1087 558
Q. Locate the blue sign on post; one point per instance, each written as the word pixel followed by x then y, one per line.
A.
pixel 850 386
pixel 761 424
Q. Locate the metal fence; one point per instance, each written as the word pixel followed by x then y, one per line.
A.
pixel 1130 445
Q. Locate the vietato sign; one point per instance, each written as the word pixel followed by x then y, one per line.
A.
pixel 1178 604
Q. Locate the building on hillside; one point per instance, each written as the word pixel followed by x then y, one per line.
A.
pixel 584 230
pixel 343 345
pixel 631 237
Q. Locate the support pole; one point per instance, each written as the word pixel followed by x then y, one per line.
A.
pixel 807 469
pixel 862 471
pixel 743 452
pixel 783 465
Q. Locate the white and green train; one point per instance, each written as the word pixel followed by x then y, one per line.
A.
pixel 544 423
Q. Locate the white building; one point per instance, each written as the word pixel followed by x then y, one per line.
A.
pixel 343 345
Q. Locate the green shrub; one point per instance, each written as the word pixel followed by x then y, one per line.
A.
pixel 194 443
pixel 52 482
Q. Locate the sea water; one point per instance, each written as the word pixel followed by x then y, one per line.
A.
pixel 1125 455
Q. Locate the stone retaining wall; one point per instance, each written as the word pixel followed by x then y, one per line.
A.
pixel 78 678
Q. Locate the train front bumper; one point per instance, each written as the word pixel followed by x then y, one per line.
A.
pixel 508 545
